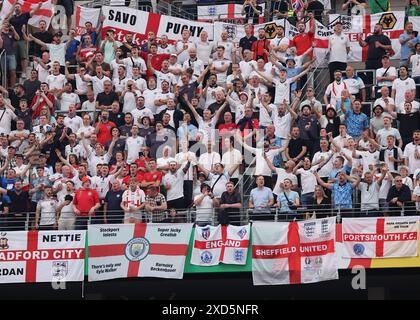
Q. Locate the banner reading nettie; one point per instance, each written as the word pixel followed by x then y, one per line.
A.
pixel 389 237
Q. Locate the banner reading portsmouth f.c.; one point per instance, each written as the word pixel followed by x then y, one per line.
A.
pixel 293 253
pixel 226 244
pixel 137 250
pixel 389 237
pixel 45 256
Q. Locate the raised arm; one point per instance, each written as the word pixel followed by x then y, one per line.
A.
pixel 322 183
pixel 194 112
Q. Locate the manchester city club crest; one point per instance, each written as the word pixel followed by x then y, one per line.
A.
pixel 206 257
pixel 205 233
pixel 242 233
pixel 4 242
pixel 239 255
pixel 359 249
pixel 60 269
pixel 137 249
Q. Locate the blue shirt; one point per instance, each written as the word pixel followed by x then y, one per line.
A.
pixel 356 123
pixel 342 195
pixel 261 197
pixel 292 196
pixel 405 49
pixel 292 72
pixel 334 172
pixel 38 195
pixel 72 50
pixel 276 143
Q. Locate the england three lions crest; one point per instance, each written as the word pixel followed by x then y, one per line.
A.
pixel 60 269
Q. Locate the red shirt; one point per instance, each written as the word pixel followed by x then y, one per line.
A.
pixel 104 134
pixel 85 199
pixel 142 163
pixel 36 113
pixel 258 49
pixel 302 42
pixel 139 178
pixel 152 177
pixel 156 61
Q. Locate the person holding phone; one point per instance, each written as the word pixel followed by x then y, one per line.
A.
pixel 155 205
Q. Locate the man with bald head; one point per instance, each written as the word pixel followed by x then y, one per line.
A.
pixel 194 63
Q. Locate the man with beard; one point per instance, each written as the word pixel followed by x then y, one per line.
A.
pixel 261 46
pixel 378 44
pixel 173 182
pixel 309 129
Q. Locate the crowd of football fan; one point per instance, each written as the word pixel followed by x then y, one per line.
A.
pixel 128 133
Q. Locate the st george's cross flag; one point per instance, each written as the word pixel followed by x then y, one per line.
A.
pixel 137 250
pixel 85 14
pixel 389 237
pixel 42 256
pixel 43 13
pixel 221 244
pixel 294 252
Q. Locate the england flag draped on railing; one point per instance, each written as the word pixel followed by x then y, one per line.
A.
pixel 388 237
pixel 225 244
pixel 293 253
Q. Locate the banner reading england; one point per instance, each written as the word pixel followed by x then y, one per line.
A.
pixel 138 250
pixel 226 244
pixel 293 253
pixel 44 256
pixel 389 237
pixel 127 20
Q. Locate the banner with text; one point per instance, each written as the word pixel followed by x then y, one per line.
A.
pixel 389 237
pixel 127 20
pixel 85 14
pixel 44 256
pixel 226 244
pixel 137 250
pixel 294 253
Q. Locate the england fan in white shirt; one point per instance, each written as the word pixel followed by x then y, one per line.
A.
pixel 228 45
pixel 280 43
pixel 73 147
pixel 409 97
pixel 56 80
pixel 183 45
pixel 45 216
pixel 173 181
pixel 129 96
pixel 103 181
pixel 323 159
pixel 133 60
pixel 194 63
pixel 334 90
pixel 401 85
pixel 220 65
pixel 164 46
pixel 355 84
pixel 210 158
pixel 264 105
pixel 412 153
pixel 65 213
pixel 205 48
pixel 81 86
pixel 43 66
pixel 133 202
pixel 246 64
pixel 86 128
pixel 384 100
pixel 151 94
pixel 141 84
pixel 99 156
pixel 386 75
pixel 120 82
pixel 282 117
pixel 209 92
pixel 114 64
pixel 72 120
pixel 164 74
pixel 133 145
pixel 415 64
pixel 68 97
pixel 97 81
pixel 338 49
pixel 161 102
pixel 141 111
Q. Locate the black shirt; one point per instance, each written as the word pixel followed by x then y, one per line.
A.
pixel 19 21
pixel 26 117
pixel 317 8
pixel 45 37
pixel 374 53
pixel 408 123
pixel 19 202
pixel 117 118
pixel 105 99
pixel 126 130
pixel 118 147
pixel 30 88
pixel 246 43
pixel 114 199
pixel 188 89
pixel 233 198
pixel 295 147
pixel 403 195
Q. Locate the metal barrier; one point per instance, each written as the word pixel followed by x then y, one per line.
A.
pixel 3 66
pixel 26 221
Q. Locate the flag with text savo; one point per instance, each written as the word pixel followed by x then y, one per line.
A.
pixel 225 244
pixel 44 256
pixel 294 252
pixel 137 250
pixel 388 237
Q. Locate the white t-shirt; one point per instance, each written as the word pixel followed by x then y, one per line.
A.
pixel 102 185
pixel 133 147
pixel 120 84
pixel 149 98
pixel 73 123
pixel 282 124
pixel 170 77
pixel 130 62
pixel 338 45
pixel 415 65
pixel 231 158
pixel 369 196
pixel 221 76
pixel 140 113
pixel 76 150
pixel 400 87
pixel 43 73
pixel 229 46
pixel 56 81
pixel 204 50
pixel 282 91
pixel 354 85
pixel 380 73
pixel 368 158
pixel 328 167
pixel 281 175
pixel 204 211
pixel 94 160
pixel 184 55
pixel 384 133
pixel 181 158
pixel 417 193
pixel 280 42
pixel 197 66
pixel 67 211
pixel 207 160
pixel 97 83
pixel 308 180
pixel 246 68
pixel 47 207
pixel 6 117
pixel 129 100
pixel 57 52
pixel 68 99
pixel 410 154
pixel 176 182
pixel 334 90
pixel 114 67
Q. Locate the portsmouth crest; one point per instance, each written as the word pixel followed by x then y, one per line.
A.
pixel 359 249
pixel 242 233
pixel 137 249
pixel 4 242
pixel 205 233
pixel 60 269
pixel 206 257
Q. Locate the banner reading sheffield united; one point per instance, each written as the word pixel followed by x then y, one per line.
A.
pixel 389 237
pixel 226 244
pixel 44 256
pixel 293 253
pixel 138 250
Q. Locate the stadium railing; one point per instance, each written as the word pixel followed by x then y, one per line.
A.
pixel 3 67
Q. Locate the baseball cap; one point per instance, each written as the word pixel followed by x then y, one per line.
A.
pixel 84 179
pixel 201 173
pixel 58 34
pixel 290 59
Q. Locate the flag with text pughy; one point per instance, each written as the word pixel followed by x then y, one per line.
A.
pixel 44 256
pixel 389 237
pixel 138 250
pixel 294 252
pixel 225 244
pixel 43 13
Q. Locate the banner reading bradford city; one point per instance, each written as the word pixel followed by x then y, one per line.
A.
pixel 138 250
pixel 126 20
pixel 44 256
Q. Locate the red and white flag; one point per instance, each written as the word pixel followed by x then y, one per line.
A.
pixel 44 13
pixel 138 250
pixel 85 14
pixel 225 244
pixel 222 11
pixel 389 237
pixel 293 253
pixel 44 256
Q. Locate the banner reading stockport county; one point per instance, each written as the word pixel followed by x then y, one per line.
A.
pixel 293 253
pixel 127 20
pixel 389 237
pixel 138 250
pixel 44 256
